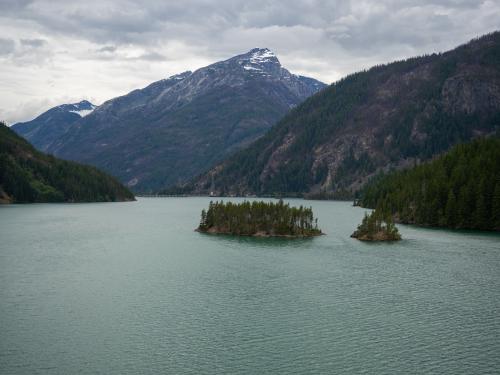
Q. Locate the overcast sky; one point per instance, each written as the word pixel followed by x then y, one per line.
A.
pixel 62 51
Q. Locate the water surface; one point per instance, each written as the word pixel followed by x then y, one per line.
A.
pixel 128 288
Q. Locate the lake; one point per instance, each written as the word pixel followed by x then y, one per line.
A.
pixel 130 288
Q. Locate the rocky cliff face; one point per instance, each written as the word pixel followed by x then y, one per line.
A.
pixel 391 116
pixel 176 128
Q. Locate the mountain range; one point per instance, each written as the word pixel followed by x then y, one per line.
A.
pixel 217 124
pixel 176 128
pixel 388 117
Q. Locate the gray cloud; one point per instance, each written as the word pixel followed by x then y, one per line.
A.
pixel 35 43
pixel 104 48
pixel 13 5
pixel 357 25
pixel 151 56
pixel 7 46
pixel 109 49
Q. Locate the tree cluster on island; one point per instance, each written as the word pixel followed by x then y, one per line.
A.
pixel 377 226
pixel 459 190
pixel 261 219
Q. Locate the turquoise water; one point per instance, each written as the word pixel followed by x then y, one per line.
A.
pixel 130 288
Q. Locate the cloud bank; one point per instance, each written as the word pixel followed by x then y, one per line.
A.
pixel 57 51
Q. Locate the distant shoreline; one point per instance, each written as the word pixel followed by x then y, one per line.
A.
pixel 238 196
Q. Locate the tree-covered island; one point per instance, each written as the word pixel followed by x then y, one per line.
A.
pixel 259 219
pixel 377 226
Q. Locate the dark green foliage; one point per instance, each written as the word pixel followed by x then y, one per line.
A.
pixel 338 195
pixel 259 218
pixel 362 165
pixel 460 189
pixel 377 226
pixel 27 175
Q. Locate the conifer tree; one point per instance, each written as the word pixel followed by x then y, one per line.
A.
pixel 258 217
pixel 495 207
pixel 456 190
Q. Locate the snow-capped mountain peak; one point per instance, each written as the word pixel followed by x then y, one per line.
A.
pixel 82 108
pixel 259 60
pixel 196 117
pixel 262 55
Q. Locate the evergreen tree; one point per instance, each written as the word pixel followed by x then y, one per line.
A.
pixel 451 210
pixel 377 226
pixel 272 219
pixel 456 190
pixel 27 175
pixel 495 208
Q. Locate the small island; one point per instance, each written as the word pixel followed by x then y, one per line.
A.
pixel 378 226
pixel 259 219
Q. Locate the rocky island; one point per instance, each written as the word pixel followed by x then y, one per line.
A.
pixel 259 219
pixel 378 226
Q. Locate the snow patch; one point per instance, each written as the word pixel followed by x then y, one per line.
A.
pixel 262 55
pixel 248 67
pixel 180 76
pixel 82 109
pixel 83 112
pixel 256 59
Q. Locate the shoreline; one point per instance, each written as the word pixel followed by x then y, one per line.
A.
pixel 259 234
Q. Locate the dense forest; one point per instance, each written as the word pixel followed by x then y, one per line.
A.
pixel 377 226
pixel 385 117
pixel 27 175
pixel 460 189
pixel 259 219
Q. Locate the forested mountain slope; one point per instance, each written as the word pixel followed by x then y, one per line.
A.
pixel 460 189
pixel 390 116
pixel 27 175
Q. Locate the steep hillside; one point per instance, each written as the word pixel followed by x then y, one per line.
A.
pixel 176 128
pixel 52 124
pixel 390 116
pixel 460 189
pixel 27 175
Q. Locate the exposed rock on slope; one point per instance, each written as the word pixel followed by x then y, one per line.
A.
pixel 176 128
pixel 390 116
